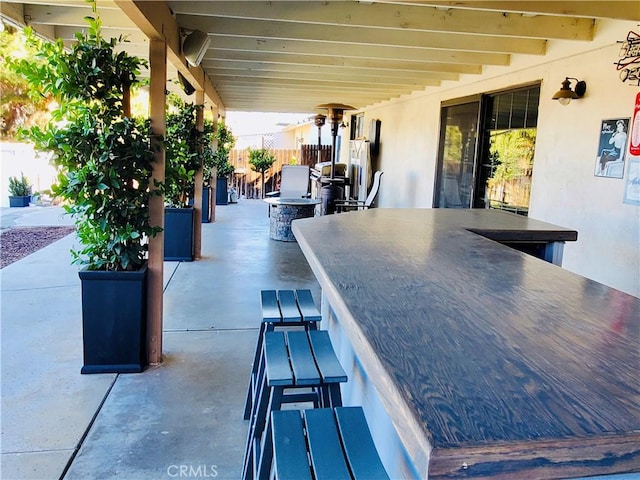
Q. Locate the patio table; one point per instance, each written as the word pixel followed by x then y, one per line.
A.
pixel 472 359
pixel 283 211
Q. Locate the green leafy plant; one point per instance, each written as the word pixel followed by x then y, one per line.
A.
pixel 261 161
pixel 182 158
pixel 17 109
pixel 226 142
pixel 103 158
pixel 208 152
pixel 19 187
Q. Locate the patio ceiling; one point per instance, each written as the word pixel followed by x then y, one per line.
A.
pixel 288 56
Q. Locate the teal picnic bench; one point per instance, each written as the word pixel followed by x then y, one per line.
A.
pixel 331 444
pixel 280 308
pixel 296 366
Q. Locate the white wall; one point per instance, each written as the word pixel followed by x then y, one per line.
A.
pixel 17 158
pixel 303 133
pixel 564 189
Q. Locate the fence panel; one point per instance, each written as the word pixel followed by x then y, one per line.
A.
pixel 309 154
pixel 249 183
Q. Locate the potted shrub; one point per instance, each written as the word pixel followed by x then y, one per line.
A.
pixel 208 164
pixel 19 191
pixel 181 163
pixel 261 161
pixel 104 163
pixel 226 141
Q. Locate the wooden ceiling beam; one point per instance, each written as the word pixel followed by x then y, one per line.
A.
pixel 403 17
pixel 617 9
pixel 227 67
pixel 284 47
pixel 217 55
pixel 156 21
pixel 218 73
pixel 240 27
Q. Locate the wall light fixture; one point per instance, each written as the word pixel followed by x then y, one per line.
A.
pixel 566 93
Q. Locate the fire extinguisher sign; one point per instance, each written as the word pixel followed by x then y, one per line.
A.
pixel 634 144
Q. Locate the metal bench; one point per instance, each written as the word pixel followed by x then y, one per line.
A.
pixel 332 444
pixel 296 366
pixel 281 308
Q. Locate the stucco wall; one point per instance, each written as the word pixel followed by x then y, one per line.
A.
pixel 564 189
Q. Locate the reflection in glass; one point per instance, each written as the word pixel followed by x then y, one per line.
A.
pixel 508 186
pixel 458 155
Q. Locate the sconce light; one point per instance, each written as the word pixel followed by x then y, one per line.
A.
pixel 195 46
pixel 566 94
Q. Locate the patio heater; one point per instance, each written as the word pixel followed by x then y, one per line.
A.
pixel 332 191
pixel 319 121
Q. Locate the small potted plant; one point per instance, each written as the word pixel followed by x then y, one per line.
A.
pixel 104 163
pixel 19 191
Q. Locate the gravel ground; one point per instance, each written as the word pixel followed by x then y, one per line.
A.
pixel 18 242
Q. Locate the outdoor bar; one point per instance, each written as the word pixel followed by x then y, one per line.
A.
pixel 472 359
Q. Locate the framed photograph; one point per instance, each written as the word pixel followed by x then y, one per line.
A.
pixel 612 148
pixel 632 187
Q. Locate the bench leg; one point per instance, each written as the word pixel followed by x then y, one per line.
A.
pixel 254 370
pixel 259 419
pixel 266 455
pixel 330 396
pixel 335 395
pixel 258 408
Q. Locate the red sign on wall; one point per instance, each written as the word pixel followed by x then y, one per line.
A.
pixel 634 144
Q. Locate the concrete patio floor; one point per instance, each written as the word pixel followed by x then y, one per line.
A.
pixel 180 419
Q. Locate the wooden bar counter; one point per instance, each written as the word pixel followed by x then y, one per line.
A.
pixel 488 362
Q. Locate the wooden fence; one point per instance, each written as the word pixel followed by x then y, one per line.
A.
pixel 248 183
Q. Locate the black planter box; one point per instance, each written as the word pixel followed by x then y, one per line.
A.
pixel 114 318
pixel 206 204
pixel 178 234
pixel 19 201
pixel 222 195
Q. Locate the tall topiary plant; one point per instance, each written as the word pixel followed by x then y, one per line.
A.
pixel 226 141
pixel 261 161
pixel 104 159
pixel 182 158
pixel 208 153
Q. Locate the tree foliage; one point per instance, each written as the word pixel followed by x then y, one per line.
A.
pixel 511 155
pixel 182 159
pixel 104 159
pixel 261 160
pixel 225 142
pixel 18 108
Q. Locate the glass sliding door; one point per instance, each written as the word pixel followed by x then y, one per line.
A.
pixel 485 158
pixel 456 158
pixel 509 138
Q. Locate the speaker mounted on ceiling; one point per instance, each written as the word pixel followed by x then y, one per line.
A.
pixel 195 46
pixel 187 88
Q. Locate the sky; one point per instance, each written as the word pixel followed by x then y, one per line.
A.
pixel 252 123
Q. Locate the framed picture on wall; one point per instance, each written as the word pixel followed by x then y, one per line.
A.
pixel 632 187
pixel 612 148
